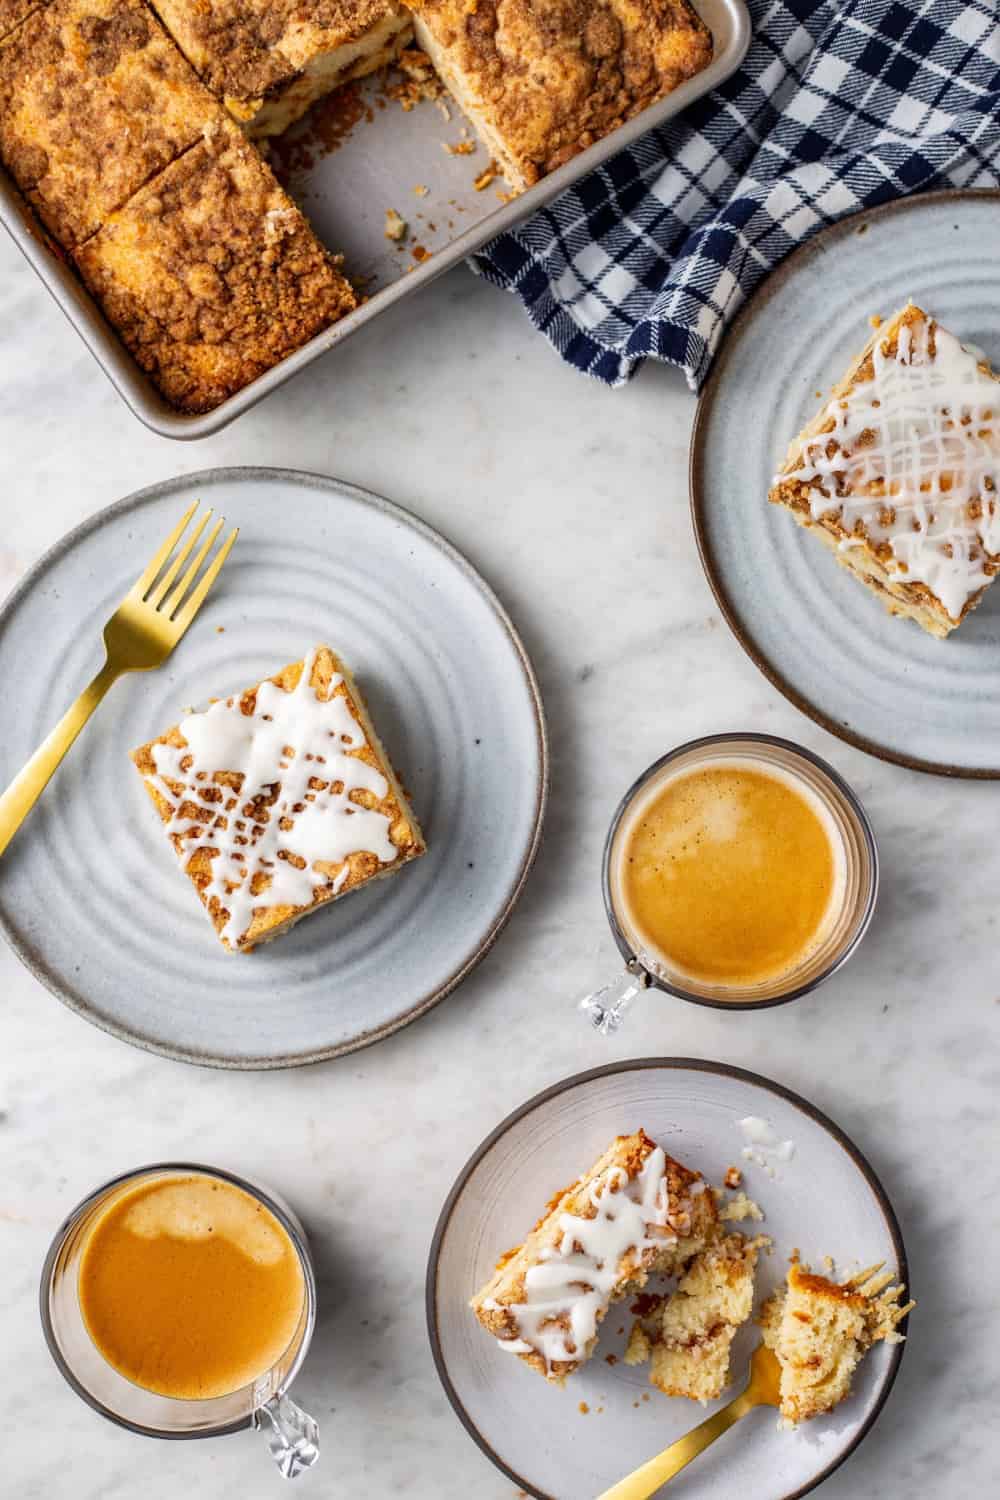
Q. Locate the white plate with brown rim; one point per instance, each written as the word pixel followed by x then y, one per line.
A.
pixel 574 1443
pixel 815 632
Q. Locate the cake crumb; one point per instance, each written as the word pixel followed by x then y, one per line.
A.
pixel 396 226
pixel 421 190
pixel 491 173
pixel 415 64
pixel 611 1359
pixel 639 1349
pixel 220 629
pixel 875 321
pixel 459 148
pixel 419 80
pixel 584 1408
pixel 740 1207
pixel 733 1177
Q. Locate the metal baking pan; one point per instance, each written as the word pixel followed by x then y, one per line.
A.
pixel 378 163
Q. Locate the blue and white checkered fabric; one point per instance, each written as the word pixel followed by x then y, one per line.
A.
pixel 837 107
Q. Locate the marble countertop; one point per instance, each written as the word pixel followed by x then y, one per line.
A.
pixel 572 500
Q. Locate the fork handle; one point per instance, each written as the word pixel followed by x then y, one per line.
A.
pixel 28 785
pixel 646 1480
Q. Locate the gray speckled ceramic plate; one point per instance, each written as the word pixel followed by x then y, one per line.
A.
pixel 825 1201
pixel 90 895
pixel 821 637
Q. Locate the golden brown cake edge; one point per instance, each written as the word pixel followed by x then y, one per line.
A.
pixel 271 922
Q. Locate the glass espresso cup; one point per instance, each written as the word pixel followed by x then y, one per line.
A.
pixel 293 1437
pixel 853 851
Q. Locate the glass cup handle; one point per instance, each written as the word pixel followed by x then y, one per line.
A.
pixel 606 1007
pixel 293 1435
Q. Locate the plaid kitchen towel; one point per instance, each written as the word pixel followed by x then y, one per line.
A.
pixel 836 107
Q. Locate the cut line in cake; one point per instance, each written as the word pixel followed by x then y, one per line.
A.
pixel 102 100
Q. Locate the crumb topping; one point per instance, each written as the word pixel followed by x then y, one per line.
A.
pixel 902 466
pixel 279 799
pixel 94 99
pixel 246 49
pixel 635 1213
pixel 211 274
pixel 550 77
pixel 13 12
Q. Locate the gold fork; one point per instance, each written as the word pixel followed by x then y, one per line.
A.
pixel 140 635
pixel 761 1390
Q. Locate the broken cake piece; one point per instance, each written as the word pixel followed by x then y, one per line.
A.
pixel 269 60
pixel 280 800
pixel 544 81
pixel 636 1212
pixel 899 473
pixel 821 1329
pixel 688 1335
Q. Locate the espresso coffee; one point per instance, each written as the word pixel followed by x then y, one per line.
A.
pixel 730 873
pixel 190 1287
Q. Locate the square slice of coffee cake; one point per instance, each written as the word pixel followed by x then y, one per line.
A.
pixel 899 472
pixel 280 799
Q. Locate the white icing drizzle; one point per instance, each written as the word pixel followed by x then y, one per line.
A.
pixel 764 1147
pixel 569 1288
pixel 917 463
pixel 293 748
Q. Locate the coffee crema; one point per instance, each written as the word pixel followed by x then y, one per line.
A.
pixel 730 873
pixel 190 1287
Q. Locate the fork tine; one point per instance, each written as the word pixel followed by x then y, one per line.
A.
pixel 175 598
pixel 197 599
pixel 144 582
pixel 178 562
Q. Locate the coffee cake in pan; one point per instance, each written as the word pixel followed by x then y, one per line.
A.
pixel 211 274
pixel 269 60
pixel 115 130
pixel 94 99
pixel 542 80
